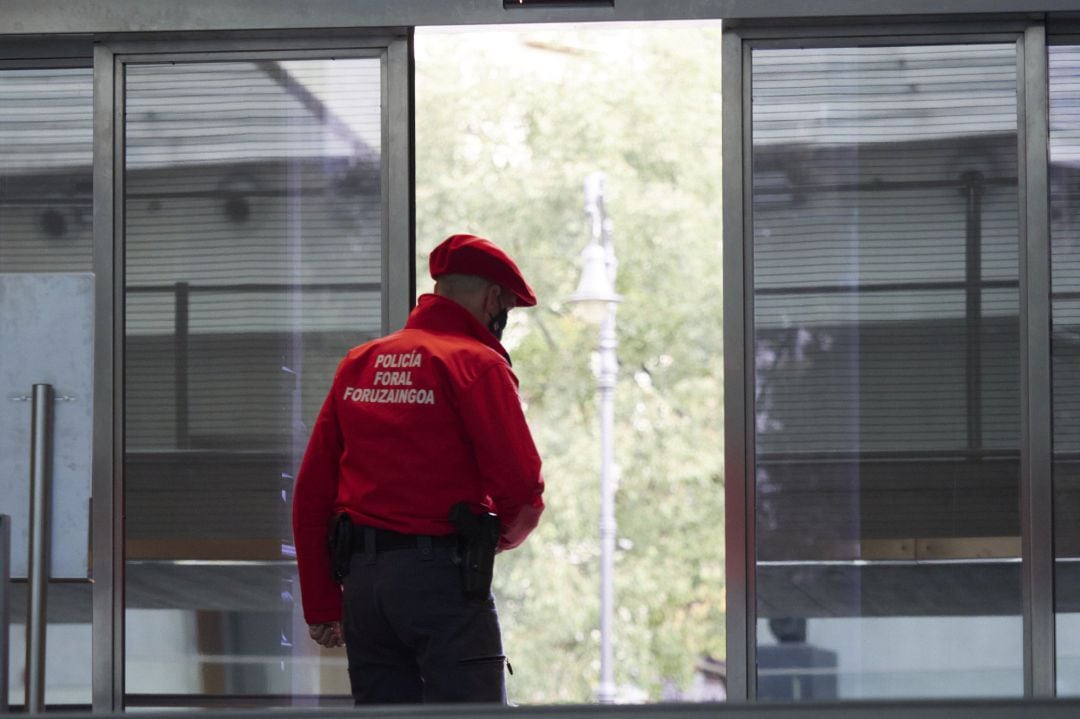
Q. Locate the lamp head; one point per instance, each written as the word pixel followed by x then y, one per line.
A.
pixel 594 291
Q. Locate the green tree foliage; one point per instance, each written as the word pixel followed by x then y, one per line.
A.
pixel 509 124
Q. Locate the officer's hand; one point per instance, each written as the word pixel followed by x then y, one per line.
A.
pixel 328 635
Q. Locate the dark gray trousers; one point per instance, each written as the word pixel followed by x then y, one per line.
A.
pixel 411 634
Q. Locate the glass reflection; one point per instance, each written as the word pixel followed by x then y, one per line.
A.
pixel 887 356
pixel 46 149
pixel 253 262
pixel 1065 354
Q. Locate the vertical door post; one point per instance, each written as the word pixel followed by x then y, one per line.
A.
pixel 1036 481
pixel 107 514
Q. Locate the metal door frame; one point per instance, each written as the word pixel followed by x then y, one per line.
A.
pixel 398 170
pixel 1036 497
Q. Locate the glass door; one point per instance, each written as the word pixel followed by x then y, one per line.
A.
pixel 886 350
pixel 191 236
pixel 1064 69
pixel 262 236
pixel 46 336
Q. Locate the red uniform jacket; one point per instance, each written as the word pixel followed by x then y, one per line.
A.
pixel 414 423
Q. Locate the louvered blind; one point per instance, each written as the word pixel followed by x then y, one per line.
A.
pixel 253 241
pixel 1065 247
pixel 46 147
pixel 1064 68
pixel 885 249
pixel 254 261
pixel 886 302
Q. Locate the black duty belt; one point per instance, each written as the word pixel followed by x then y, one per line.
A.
pixel 386 540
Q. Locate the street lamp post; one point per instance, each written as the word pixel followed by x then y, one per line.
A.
pixel 598 301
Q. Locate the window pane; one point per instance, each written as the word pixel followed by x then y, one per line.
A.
pixel 46 146
pixel 1065 354
pixel 887 370
pixel 254 261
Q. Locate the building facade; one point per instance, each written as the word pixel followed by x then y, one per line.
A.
pixel 203 204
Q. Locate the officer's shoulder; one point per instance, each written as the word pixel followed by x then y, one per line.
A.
pixel 475 350
pixel 367 347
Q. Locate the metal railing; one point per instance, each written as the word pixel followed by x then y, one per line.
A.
pixel 182 294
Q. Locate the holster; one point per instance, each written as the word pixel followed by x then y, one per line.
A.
pixel 340 545
pixel 479 537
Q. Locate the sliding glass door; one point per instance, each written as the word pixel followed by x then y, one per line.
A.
pixel 46 331
pixel 192 235
pixel 1065 343
pixel 886 345
pixel 256 207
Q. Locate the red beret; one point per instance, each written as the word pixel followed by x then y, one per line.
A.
pixel 472 255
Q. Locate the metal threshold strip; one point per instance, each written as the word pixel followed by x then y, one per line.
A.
pixel 911 550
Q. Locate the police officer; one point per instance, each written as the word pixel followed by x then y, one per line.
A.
pixel 414 424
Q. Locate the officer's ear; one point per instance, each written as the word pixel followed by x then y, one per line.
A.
pixel 493 299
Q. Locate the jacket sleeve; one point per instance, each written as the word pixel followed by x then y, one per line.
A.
pixel 313 507
pixel 505 452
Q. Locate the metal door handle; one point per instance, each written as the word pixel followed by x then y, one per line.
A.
pixel 40 479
